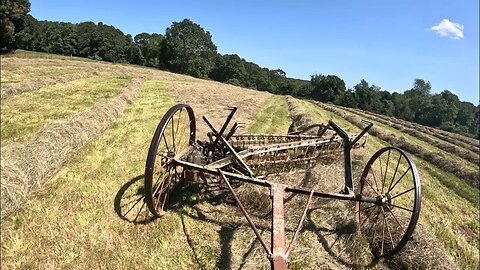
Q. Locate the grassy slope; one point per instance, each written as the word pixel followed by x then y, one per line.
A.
pixel 273 118
pixel 90 234
pixel 453 218
pixel 25 113
pixel 72 222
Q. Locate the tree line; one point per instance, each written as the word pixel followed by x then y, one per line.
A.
pixel 187 48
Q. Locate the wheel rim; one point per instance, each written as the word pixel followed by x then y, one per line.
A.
pixel 175 133
pixel 392 178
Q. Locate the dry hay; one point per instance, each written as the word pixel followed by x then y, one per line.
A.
pixel 62 71
pixel 211 99
pixel 450 165
pixel 449 147
pixel 300 118
pixel 25 166
pixel 336 228
pixel 456 139
pixel 467 142
pixel 9 89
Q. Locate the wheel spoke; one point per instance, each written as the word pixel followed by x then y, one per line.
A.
pixel 383 230
pixel 166 144
pixel 374 177
pixel 388 228
pixel 166 193
pixel 368 183
pixel 386 170
pixel 393 215
pixel 373 223
pixel 160 185
pixel 400 207
pixel 400 194
pixel 409 168
pixel 365 208
pixel 381 173
pixel 395 173
pixel 369 214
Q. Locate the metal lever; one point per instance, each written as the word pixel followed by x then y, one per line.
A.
pixel 365 130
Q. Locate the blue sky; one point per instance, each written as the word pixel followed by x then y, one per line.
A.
pixel 387 43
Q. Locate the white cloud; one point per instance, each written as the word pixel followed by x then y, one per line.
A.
pixel 447 28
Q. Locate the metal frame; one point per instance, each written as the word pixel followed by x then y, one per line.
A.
pixel 278 251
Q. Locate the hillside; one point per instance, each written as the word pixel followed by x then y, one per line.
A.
pixel 75 134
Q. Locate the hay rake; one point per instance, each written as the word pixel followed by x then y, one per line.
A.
pixel 387 204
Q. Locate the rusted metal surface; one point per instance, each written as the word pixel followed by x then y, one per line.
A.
pixel 252 158
pixel 279 257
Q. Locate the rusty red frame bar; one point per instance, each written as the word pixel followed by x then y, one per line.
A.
pixel 278 253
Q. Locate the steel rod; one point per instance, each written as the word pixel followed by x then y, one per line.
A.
pixel 300 224
pixel 245 213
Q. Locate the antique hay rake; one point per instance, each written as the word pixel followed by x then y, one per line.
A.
pixel 387 204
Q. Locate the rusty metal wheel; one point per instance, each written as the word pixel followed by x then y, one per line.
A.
pixel 392 178
pixel 174 133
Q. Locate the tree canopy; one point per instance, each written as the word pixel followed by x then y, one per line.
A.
pixel 12 15
pixel 187 48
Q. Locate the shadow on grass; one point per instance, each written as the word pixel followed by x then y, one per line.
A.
pixel 130 206
pixel 129 203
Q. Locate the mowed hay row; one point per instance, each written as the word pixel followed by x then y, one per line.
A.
pixel 25 166
pixel 467 143
pixel 272 118
pixel 471 176
pixel 213 99
pixel 449 147
pixel 333 223
pixel 471 144
pixel 24 114
pixel 21 75
pixel 13 88
pixel 106 175
pixel 300 118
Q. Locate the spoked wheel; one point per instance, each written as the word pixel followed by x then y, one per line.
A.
pixel 174 134
pixel 392 178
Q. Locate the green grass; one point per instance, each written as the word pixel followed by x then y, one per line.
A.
pixel 24 114
pixel 72 224
pixel 273 118
pixel 449 206
pixel 33 55
pixel 35 73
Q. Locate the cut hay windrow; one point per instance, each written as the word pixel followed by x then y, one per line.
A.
pixel 9 89
pixel 26 166
pixel 449 147
pixel 447 164
pixel 467 143
pixel 300 118
pixel 423 251
pixel 471 144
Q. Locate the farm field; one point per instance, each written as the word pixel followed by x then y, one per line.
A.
pixel 89 213
pixel 443 195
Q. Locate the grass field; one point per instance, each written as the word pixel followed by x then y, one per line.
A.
pixel 91 214
pixel 450 207
pixel 25 113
